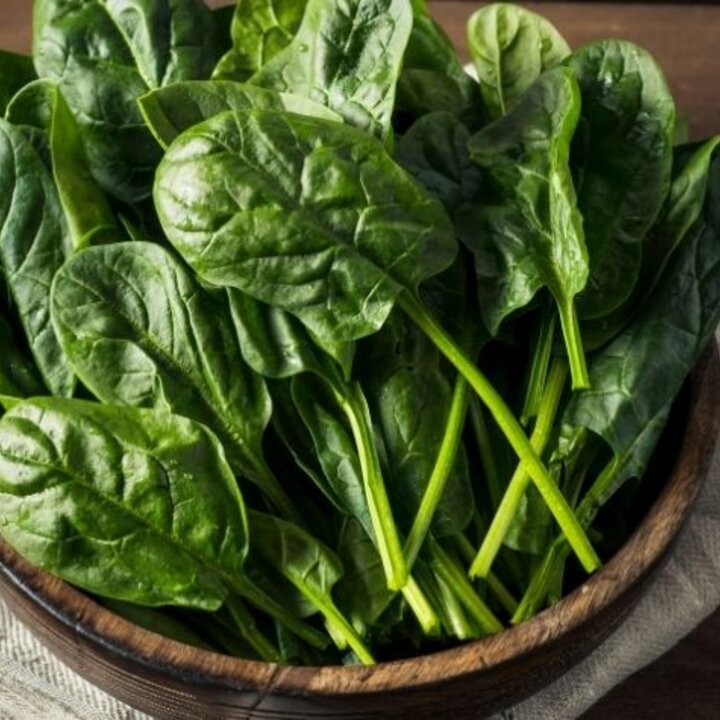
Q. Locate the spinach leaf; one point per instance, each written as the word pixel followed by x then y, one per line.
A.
pixel 311 567
pixel 136 505
pixel 18 375
pixel 16 71
pixel 87 210
pixel 530 232
pixel 34 243
pixel 332 230
pixel 140 331
pixel 621 157
pixel 637 376
pixel 511 47
pixel 171 110
pixel 260 29
pixel 277 345
pixel 347 56
pixel 105 54
pixel 435 152
pixel 682 208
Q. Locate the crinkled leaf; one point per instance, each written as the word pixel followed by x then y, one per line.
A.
pixel 526 232
pixel 34 243
pixel 637 376
pixel 621 157
pixel 136 505
pixel 306 215
pixel 346 55
pixel 107 53
pixel 139 330
pixel 260 29
pixel 511 47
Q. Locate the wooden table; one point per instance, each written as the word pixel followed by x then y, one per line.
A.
pixel 685 38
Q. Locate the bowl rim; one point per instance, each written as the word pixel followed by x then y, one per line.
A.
pixel 644 550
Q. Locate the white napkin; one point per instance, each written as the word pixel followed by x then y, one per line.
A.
pixel 35 684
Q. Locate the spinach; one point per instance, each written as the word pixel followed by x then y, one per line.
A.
pixel 34 243
pixel 531 234
pixel 105 54
pixel 367 240
pixel 90 218
pixel 16 71
pixel 346 56
pixel 621 156
pixel 511 47
pixel 296 253
pixel 171 110
pixel 139 330
pixel 260 29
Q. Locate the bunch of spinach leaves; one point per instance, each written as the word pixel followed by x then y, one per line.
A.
pixel 317 349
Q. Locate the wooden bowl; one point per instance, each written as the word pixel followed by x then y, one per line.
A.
pixel 172 681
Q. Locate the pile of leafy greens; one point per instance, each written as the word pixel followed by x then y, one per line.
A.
pixel 317 350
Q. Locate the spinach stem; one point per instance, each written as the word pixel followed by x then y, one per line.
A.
pixel 336 620
pixel 558 552
pixel 488 459
pixel 440 475
pixel 244 587
pixel 518 485
pixel 421 607
pixel 455 619
pixel 539 367
pixel 451 573
pixel 510 427
pixel 574 344
pixel 355 407
pixel 249 630
pixel 497 588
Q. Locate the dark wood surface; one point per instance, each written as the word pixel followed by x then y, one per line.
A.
pixel 684 37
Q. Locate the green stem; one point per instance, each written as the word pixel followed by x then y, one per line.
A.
pixel 245 623
pixel 355 407
pixel 510 427
pixel 539 367
pixel 520 480
pixel 456 621
pixel 456 578
pixel 263 602
pixel 421 608
pixel 444 465
pixel 487 452
pixel 337 621
pixel 574 344
pixel 558 552
pixel 498 589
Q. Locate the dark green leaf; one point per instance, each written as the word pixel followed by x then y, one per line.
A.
pixel 136 505
pixel 16 71
pixel 528 233
pixel 18 375
pixel 347 56
pixel 171 110
pixel 435 152
pixel 260 29
pixel 107 53
pixel 511 47
pixel 34 243
pixel 621 157
pixel 307 215
pixel 140 331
